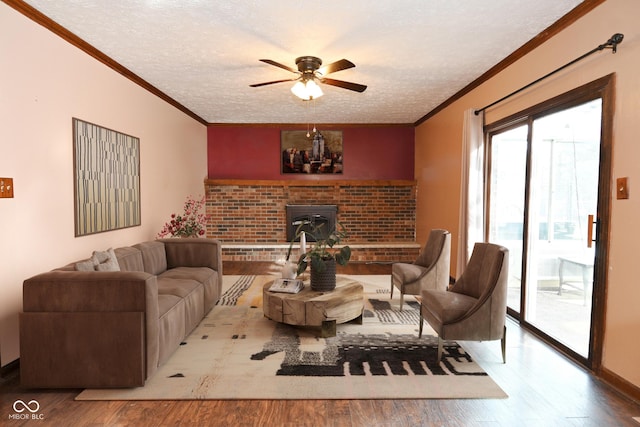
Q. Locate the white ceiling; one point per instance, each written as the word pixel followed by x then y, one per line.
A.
pixel 412 54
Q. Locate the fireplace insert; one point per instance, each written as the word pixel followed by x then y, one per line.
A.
pixel 312 216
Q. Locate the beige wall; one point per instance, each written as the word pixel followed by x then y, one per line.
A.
pixel 44 82
pixel 438 145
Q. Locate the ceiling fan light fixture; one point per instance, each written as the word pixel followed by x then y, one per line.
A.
pixel 307 89
pixel 310 74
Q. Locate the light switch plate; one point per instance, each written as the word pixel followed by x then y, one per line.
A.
pixel 622 189
pixel 6 188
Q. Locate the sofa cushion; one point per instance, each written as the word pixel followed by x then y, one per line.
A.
pixel 129 259
pixel 166 303
pixel 171 328
pixel 192 294
pixel 204 275
pixel 154 256
pixel 178 287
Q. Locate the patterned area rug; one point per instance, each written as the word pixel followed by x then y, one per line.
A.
pixel 237 353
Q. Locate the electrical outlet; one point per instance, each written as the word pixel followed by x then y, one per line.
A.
pixel 622 190
pixel 6 188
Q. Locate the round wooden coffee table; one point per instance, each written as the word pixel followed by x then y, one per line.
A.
pixel 311 308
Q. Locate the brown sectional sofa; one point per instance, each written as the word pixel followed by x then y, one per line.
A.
pixel 102 329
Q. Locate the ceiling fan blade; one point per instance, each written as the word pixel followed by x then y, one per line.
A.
pixel 340 65
pixel 277 64
pixel 270 83
pixel 345 85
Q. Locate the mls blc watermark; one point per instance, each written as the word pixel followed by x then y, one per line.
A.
pixel 26 410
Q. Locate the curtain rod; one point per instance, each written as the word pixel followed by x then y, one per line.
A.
pixel 612 43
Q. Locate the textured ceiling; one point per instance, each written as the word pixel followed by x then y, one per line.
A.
pixel 412 54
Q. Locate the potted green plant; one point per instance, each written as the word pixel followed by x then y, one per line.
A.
pixel 323 256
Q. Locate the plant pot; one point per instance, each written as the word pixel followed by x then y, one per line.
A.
pixel 324 281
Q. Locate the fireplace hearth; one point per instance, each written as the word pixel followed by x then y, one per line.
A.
pixel 312 216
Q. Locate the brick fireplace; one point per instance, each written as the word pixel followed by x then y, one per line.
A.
pixel 250 216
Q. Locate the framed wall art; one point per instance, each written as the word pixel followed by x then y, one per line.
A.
pixel 106 166
pixel 319 153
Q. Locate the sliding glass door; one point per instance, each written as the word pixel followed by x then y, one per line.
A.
pixel 543 188
pixel 563 192
pixel 508 159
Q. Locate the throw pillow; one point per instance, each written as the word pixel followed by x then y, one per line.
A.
pixel 105 260
pixel 85 265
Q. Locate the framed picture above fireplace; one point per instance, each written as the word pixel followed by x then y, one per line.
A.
pixel 320 153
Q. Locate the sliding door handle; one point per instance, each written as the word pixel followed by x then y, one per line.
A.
pixel 590 224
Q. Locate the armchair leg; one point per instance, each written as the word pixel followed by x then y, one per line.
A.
pixel 439 349
pixel 420 326
pixel 503 344
pixel 401 300
pixel 391 288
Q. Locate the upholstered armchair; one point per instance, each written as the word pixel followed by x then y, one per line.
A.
pixel 475 307
pixel 429 271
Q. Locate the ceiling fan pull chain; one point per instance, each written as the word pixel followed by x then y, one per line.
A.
pixel 308 134
pixel 314 115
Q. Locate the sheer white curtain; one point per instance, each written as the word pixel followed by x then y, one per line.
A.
pixel 471 225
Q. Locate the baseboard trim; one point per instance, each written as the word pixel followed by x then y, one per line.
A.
pixel 620 384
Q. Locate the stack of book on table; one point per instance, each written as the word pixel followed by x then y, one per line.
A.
pixel 290 286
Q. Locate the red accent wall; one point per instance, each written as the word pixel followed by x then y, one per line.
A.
pixel 253 152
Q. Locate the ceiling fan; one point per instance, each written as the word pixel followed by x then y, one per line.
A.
pixel 310 72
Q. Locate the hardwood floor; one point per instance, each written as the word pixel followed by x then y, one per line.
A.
pixel 544 388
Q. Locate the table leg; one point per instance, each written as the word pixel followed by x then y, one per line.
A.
pixel 328 329
pixel 358 320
